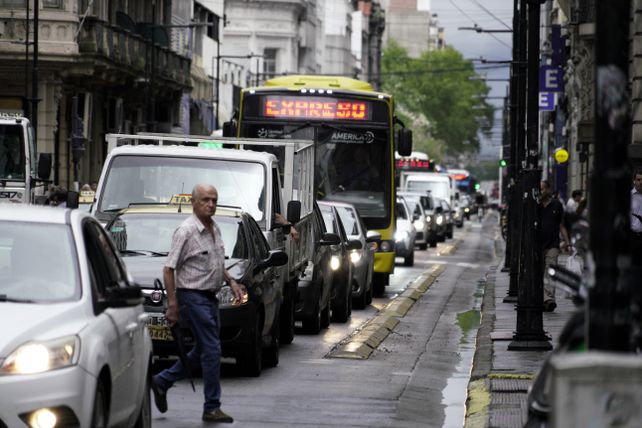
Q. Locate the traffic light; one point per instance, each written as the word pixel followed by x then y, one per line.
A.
pixel 502 163
pixel 477 186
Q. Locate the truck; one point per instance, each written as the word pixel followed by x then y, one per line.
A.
pixel 22 180
pixel 269 179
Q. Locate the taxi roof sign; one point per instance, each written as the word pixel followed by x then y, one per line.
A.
pixel 181 198
pixel 210 145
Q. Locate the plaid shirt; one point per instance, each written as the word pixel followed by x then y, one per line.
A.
pixel 197 256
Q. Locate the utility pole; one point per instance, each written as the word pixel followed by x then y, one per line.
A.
pixel 34 72
pixel 529 334
pixel 609 312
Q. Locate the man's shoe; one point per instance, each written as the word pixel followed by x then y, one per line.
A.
pixel 160 397
pixel 550 305
pixel 218 416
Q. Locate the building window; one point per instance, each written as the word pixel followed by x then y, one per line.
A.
pixel 204 15
pixel 52 4
pixel 269 62
pixel 13 4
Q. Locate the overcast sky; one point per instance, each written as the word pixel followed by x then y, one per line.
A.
pixel 492 46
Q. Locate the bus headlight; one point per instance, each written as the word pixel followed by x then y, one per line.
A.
pixel 335 263
pixel 385 246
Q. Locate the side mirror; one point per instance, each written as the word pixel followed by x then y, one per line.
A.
pixel 73 199
pixel 294 211
pixel 439 210
pixel 119 296
pixel 354 244
pixel 373 236
pixel 228 129
pixel 416 216
pixel 274 258
pixel 404 141
pixel 330 239
pixel 44 166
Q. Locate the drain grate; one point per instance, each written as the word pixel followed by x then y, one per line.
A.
pixel 509 385
pixel 506 418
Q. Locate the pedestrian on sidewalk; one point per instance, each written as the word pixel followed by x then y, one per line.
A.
pixel 636 217
pixel 551 215
pixel 573 201
pixel 193 273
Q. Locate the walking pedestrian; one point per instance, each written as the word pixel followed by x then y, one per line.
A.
pixel 636 217
pixel 551 213
pixel 193 273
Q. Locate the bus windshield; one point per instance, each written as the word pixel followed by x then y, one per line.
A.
pixel 352 164
pixel 156 179
pixel 12 152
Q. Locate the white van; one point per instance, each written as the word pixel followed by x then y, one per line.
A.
pixel 439 185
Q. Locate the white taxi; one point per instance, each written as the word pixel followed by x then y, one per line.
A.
pixel 74 350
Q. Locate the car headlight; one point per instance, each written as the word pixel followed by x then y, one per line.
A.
pixel 466 209
pixel 428 218
pixel 401 235
pixel 226 296
pixel 335 262
pixel 355 256
pixel 456 215
pixel 439 220
pixel 38 357
pixel 419 224
pixel 386 246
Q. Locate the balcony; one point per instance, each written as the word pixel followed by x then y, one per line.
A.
pixel 125 49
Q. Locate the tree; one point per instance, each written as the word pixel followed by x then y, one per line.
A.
pixel 444 88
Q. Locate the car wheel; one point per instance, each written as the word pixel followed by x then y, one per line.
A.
pixel 423 246
pixel 410 259
pixel 379 282
pixel 145 416
pixel 450 234
pixel 325 316
pixel 271 353
pixel 99 416
pixel 433 243
pixel 251 361
pixel 312 324
pixel 287 319
pixel 369 294
pixel 361 301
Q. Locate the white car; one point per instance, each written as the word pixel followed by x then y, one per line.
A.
pixel 74 349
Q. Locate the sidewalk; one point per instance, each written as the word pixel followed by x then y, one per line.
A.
pixel 500 378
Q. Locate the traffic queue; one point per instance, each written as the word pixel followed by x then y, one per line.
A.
pixel 93 316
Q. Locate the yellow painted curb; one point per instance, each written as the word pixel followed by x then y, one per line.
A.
pixel 361 344
pixel 449 249
pixel 477 404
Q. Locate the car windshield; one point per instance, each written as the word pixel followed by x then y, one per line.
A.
pixel 37 263
pixel 12 153
pixel 156 179
pixel 350 220
pixel 151 234
pixel 439 189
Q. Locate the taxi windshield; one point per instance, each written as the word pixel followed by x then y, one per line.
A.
pixel 151 234
pixel 12 154
pixel 134 179
pixel 37 263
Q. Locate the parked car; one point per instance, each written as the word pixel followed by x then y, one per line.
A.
pixel 340 263
pixel 405 233
pixel 448 217
pixel 422 207
pixel 362 259
pixel 249 330
pixel 74 350
pixel 314 291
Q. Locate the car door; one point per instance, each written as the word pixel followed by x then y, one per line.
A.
pixel 124 328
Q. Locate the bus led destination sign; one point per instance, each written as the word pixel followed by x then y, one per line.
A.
pixel 315 108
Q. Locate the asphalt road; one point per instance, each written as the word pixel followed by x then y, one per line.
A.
pixel 416 377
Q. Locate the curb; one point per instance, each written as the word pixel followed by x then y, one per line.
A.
pixel 361 344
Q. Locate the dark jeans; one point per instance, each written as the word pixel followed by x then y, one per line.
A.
pixel 200 311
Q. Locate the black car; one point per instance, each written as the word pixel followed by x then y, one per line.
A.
pixel 315 287
pixel 340 263
pixel 249 329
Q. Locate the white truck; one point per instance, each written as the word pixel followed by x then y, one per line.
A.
pixel 21 178
pixel 153 168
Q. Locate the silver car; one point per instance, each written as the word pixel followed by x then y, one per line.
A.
pixel 405 233
pixel 74 349
pixel 422 207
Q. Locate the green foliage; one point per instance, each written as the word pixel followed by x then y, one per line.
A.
pixel 485 171
pixel 443 94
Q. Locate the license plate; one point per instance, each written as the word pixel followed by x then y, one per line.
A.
pixel 158 329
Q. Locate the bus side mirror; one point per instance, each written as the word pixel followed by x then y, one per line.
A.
pixel 294 211
pixel 44 166
pixel 228 129
pixel 404 141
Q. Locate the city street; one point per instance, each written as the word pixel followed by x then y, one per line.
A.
pixel 417 377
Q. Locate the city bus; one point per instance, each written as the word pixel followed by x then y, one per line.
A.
pixel 355 132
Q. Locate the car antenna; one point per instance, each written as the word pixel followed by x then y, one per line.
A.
pixel 180 200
